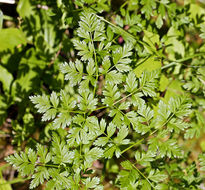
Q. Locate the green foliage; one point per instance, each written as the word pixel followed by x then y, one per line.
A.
pixel 10 38
pixel 129 106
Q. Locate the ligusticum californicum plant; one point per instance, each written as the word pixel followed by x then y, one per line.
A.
pixel 112 114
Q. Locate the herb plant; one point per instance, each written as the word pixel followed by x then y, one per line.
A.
pixel 133 96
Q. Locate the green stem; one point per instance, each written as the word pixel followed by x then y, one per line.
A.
pixel 18 180
pixel 116 101
pixel 96 65
pixel 174 62
pixel 71 111
pixel 126 96
pixel 142 61
pixel 138 142
pixel 131 36
pixel 142 174
pixel 48 165
pixel 149 135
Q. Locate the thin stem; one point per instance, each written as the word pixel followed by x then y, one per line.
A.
pixel 126 96
pixel 167 121
pixel 47 165
pixel 115 102
pixel 141 174
pixel 102 107
pixel 111 68
pixel 138 142
pixel 142 61
pixel 128 149
pixel 149 135
pixel 129 161
pixel 174 62
pixel 132 37
pixel 71 111
pixel 18 180
pixel 96 65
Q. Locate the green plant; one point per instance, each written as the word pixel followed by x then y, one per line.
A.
pixel 124 105
pixel 29 54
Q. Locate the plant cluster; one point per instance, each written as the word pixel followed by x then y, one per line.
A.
pixel 126 103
